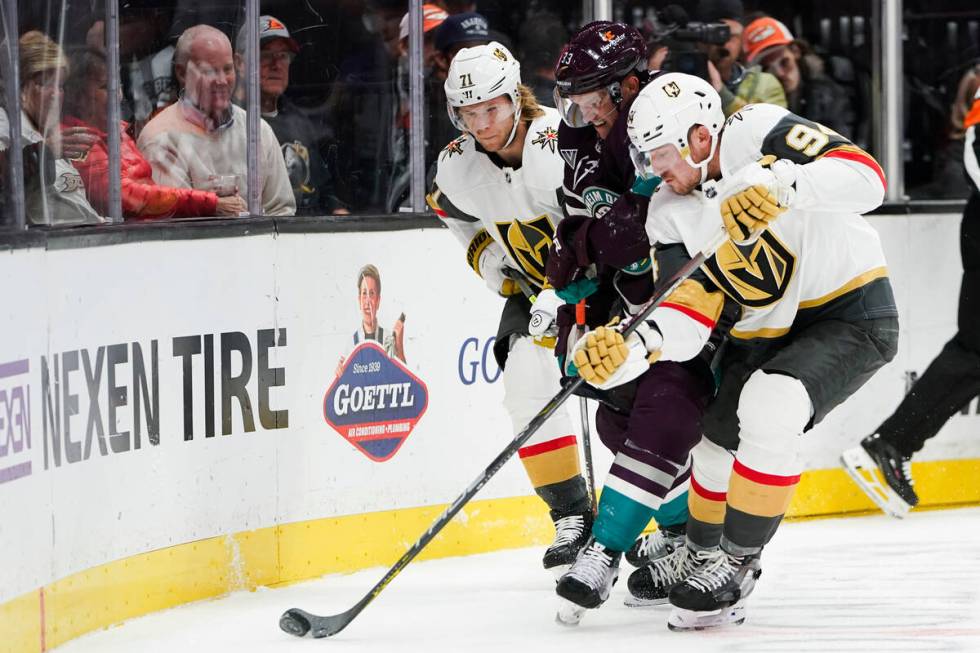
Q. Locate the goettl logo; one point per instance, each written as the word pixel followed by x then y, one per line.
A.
pixel 375 402
pixel 15 420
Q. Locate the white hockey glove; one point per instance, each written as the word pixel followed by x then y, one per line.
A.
pixel 492 264
pixel 543 313
pixel 768 192
pixel 605 360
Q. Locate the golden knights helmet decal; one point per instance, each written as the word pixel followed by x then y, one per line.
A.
pixel 756 274
pixel 672 89
pixel 528 243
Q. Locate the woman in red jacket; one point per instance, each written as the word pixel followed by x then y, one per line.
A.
pixel 86 105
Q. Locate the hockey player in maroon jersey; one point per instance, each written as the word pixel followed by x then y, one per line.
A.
pixel 601 254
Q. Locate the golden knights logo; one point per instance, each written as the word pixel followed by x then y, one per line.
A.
pixel 547 138
pixel 672 89
pixel 500 54
pixel 528 243
pixel 756 274
pixel 455 147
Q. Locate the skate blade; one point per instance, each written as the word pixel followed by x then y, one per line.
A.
pixel 681 619
pixel 636 602
pixel 569 614
pixel 865 473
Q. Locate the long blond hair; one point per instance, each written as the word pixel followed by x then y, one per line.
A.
pixel 530 107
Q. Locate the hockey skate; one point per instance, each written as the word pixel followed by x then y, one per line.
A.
pixel 895 496
pixel 571 534
pixel 587 583
pixel 653 546
pixel 649 585
pixel 715 594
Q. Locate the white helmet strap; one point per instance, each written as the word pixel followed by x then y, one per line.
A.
pixel 703 165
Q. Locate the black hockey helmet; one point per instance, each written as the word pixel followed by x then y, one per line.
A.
pixel 599 57
pixel 602 53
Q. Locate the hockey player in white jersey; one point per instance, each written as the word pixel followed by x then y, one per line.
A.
pixel 818 314
pixel 497 189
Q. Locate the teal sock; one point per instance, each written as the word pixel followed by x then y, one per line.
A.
pixel 620 520
pixel 673 512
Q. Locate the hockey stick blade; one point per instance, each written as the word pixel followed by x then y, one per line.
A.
pixel 300 623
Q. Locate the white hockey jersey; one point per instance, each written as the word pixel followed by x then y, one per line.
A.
pixel 818 259
pixel 486 203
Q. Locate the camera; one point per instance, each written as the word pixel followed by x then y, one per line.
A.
pixel 681 36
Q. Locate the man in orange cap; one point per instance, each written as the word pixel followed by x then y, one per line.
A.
pixel 810 92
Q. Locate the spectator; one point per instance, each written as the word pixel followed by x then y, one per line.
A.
pixel 736 84
pixel 810 92
pixel 87 106
pixel 398 189
pixel 146 54
pixel 56 194
pixel 456 32
pixel 542 37
pixel 298 136
pixel 202 135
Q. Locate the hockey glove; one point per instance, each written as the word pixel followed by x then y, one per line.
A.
pixel 569 251
pixel 543 313
pixel 770 191
pixel 492 265
pixel 605 360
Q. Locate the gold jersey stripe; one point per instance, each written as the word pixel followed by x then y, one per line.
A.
pixel 552 466
pixel 853 284
pixel 759 333
pixel 756 499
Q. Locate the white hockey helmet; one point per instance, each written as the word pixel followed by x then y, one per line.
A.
pixel 479 74
pixel 663 114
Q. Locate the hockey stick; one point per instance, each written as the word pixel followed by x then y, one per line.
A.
pixel 583 409
pixel 299 623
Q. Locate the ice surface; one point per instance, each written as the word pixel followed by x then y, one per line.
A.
pixel 863 584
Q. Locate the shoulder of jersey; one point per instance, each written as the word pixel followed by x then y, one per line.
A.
pixel 543 164
pixel 753 118
pixel 744 133
pixel 542 133
pixel 456 163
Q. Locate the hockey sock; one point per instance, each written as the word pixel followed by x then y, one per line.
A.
pixel 620 520
pixel 553 468
pixel 756 504
pixel 707 515
pixel 672 514
pixel 639 485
